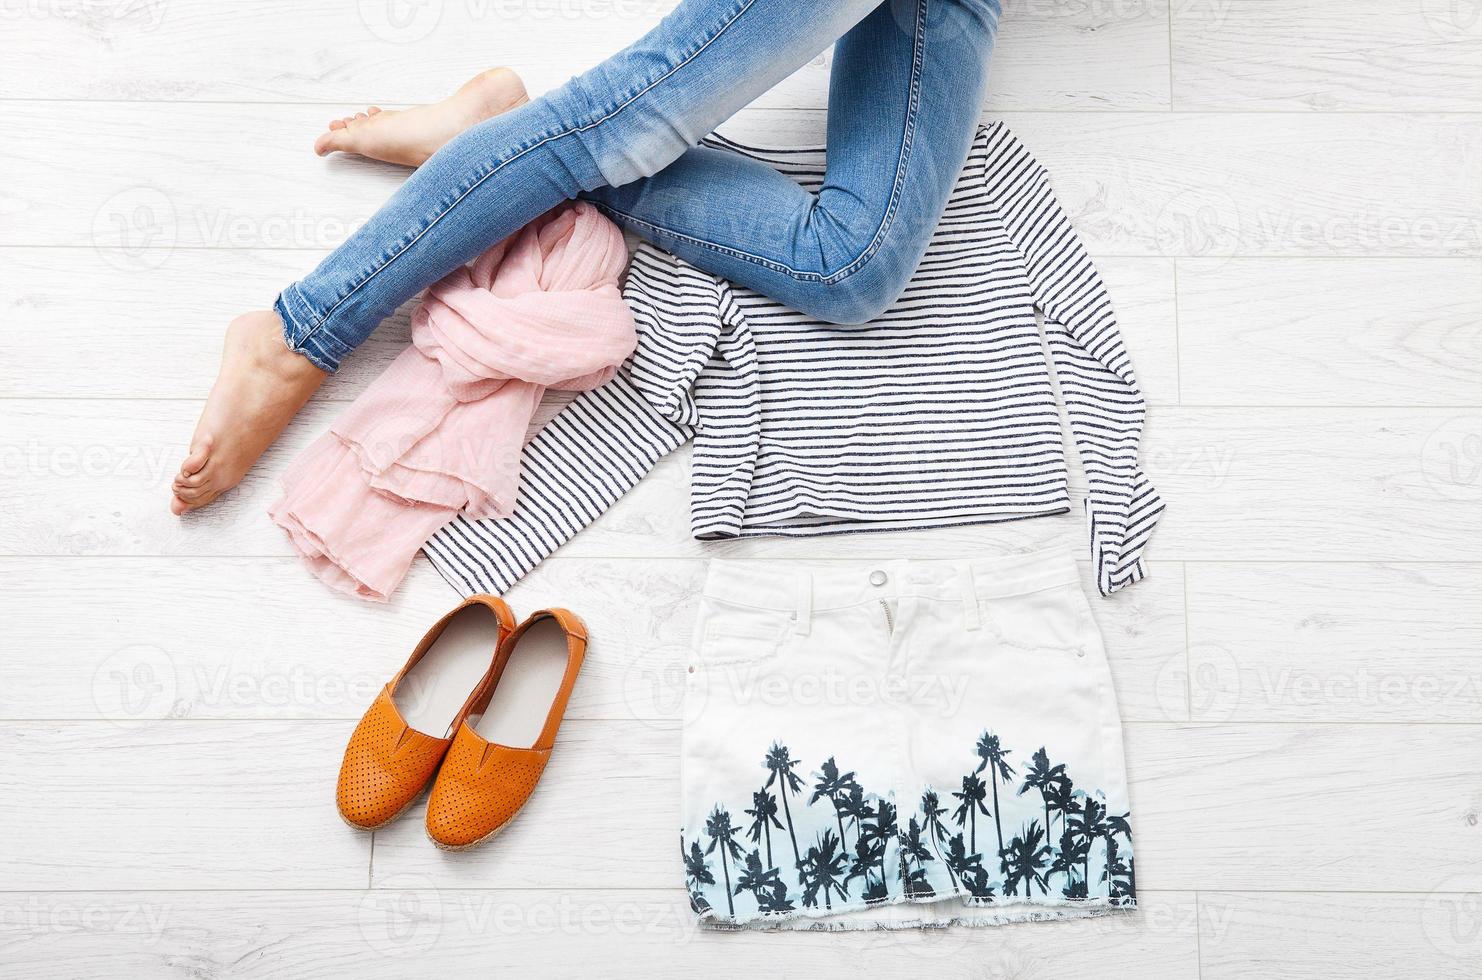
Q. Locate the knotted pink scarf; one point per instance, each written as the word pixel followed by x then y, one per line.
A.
pixel 442 428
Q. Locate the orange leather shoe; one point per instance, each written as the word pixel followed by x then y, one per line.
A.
pixel 484 783
pixel 388 763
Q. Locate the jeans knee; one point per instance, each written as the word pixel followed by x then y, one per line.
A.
pixel 856 299
pixel 625 143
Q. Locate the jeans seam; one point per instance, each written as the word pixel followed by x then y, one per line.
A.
pixel 319 322
pixel 918 57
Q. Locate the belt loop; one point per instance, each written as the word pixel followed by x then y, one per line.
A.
pixel 804 621
pixel 971 617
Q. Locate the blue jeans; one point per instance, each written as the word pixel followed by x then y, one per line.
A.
pixel 904 98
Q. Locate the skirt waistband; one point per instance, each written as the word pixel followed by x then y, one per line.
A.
pixel 775 585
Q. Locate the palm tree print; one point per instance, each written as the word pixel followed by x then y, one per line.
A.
pixel 1069 859
pixel 781 765
pixel 931 815
pixel 856 806
pixel 722 835
pixel 1042 776
pixel 914 850
pixel 822 871
pixel 834 787
pixel 1090 825
pixel 969 867
pixel 696 873
pixel 763 814
pixel 974 791
pixel 1060 796
pixel 765 884
pixel 864 852
pixel 1024 861
pixel 992 756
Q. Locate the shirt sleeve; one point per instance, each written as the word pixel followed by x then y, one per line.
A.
pixel 1103 403
pixel 606 440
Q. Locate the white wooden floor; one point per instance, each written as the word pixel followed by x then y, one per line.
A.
pixel 1286 196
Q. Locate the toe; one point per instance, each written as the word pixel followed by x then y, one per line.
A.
pixel 373 109
pixel 191 495
pixel 330 142
pixel 178 506
pixel 336 124
pixel 200 453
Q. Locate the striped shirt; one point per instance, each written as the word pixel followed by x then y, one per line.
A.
pixel 942 412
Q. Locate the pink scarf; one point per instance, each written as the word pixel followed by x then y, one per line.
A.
pixel 442 428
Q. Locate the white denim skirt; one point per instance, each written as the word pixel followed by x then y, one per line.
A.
pixel 902 744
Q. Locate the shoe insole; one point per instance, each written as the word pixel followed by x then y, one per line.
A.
pixel 522 698
pixel 432 692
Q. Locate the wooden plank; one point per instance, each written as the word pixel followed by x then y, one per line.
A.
pixel 1295 56
pixel 1284 807
pixel 1335 642
pixel 175 804
pixel 418 928
pixel 92 478
pixel 225 804
pixel 1048 56
pixel 261 639
pixel 160 329
pixel 1316 936
pixel 1323 332
pixel 1203 797
pixel 1153 184
pixel 1257 484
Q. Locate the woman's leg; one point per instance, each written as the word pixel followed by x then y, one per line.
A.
pixel 626 119
pixel 904 102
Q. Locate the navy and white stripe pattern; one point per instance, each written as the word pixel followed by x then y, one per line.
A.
pixel 941 412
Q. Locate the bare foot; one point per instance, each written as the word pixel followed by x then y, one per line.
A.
pixel 410 136
pixel 261 386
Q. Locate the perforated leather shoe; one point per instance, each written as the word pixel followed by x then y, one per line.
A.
pixel 486 778
pixel 388 762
